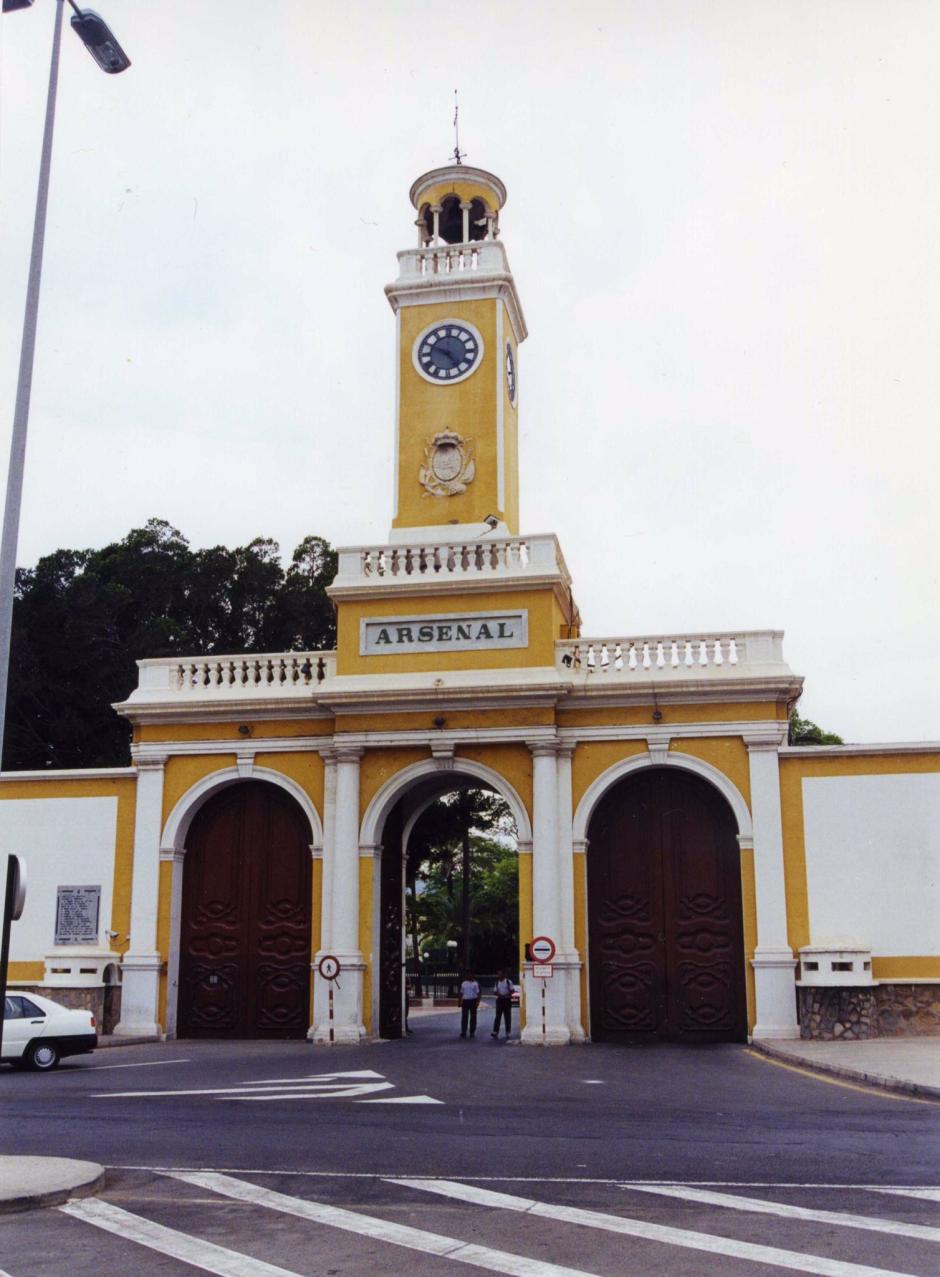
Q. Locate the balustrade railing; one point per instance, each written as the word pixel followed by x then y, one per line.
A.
pixel 453 259
pixel 269 673
pixel 686 656
pixel 439 560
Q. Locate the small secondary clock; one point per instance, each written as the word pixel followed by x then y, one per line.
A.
pixel 511 373
pixel 448 351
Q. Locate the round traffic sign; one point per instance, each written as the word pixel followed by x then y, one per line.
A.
pixel 542 949
pixel 16 866
pixel 329 967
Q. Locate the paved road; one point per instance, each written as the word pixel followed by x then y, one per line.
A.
pixel 251 1159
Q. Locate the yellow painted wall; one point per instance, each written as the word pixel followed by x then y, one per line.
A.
pixel 224 731
pixel 544 621
pixel 123 788
pixel 793 770
pixel 423 720
pixel 464 190
pixel 672 715
pixel 468 406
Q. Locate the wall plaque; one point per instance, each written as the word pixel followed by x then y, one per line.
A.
pixel 76 915
pixel 446 632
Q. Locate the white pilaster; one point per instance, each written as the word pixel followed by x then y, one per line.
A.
pixel 546 1016
pixel 347 1023
pixel 773 960
pixel 140 967
pixel 568 955
pixel 321 986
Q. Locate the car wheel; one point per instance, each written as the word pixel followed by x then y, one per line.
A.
pixel 42 1056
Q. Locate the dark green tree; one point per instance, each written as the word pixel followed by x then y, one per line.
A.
pixel 463 880
pixel 82 618
pixel 801 731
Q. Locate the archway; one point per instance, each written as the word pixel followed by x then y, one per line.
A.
pixel 244 932
pixel 396 822
pixel 666 944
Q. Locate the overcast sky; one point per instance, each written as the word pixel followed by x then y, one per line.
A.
pixel 722 221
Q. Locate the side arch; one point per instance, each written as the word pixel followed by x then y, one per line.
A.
pixel 598 787
pixel 173 839
pixel 396 786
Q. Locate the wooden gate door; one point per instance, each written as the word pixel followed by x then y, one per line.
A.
pixel 664 906
pixel 245 932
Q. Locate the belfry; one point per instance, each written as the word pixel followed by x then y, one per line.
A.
pixel 694 878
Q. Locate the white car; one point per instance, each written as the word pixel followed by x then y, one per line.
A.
pixel 37 1033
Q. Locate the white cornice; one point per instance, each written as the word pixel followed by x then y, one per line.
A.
pixel 70 773
pixel 395 587
pixel 423 290
pixel 620 690
pixel 647 731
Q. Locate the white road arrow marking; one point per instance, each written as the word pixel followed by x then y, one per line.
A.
pixel 349 1085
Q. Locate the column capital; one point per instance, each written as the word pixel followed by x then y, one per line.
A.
pixel 348 753
pixel 149 762
pixel 565 748
pixel 327 753
pixel 765 740
pixel 543 748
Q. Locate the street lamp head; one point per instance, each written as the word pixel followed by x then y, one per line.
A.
pixel 9 6
pixel 98 39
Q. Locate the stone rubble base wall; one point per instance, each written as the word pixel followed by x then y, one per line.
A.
pixel 102 1000
pixel 874 1011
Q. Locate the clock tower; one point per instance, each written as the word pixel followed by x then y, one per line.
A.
pixel 459 325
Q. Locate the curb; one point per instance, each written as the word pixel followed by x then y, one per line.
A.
pixel 884 1081
pixel 108 1040
pixel 56 1179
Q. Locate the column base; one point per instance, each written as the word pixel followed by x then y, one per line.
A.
pixel 140 989
pixel 775 990
pixel 546 1007
pixel 344 1027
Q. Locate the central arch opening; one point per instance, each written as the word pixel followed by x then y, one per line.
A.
pixel 449 902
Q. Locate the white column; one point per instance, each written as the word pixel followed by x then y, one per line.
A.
pixel 568 961
pixel 347 1023
pixel 321 986
pixel 546 1020
pixel 140 967
pixel 465 210
pixel 436 226
pixel 773 960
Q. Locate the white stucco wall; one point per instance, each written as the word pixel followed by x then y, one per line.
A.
pixel 873 861
pixel 67 842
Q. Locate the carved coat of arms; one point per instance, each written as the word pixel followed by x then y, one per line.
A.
pixel 448 465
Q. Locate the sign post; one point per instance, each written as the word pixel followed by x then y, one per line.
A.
pixel 329 968
pixel 13 901
pixel 542 951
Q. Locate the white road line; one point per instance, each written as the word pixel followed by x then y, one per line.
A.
pixel 190 1250
pixel 755 1204
pixel 925 1194
pixel 534 1179
pixel 404 1099
pixel 450 1248
pixel 311 1093
pixel 245 1091
pixel 142 1064
pixel 687 1238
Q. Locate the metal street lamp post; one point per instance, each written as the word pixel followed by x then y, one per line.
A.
pixel 104 48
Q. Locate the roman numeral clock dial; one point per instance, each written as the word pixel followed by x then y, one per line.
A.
pixel 447 352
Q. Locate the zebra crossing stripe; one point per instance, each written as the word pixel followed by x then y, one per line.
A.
pixel 925 1194
pixel 756 1204
pixel 794 1260
pixel 167 1241
pixel 450 1248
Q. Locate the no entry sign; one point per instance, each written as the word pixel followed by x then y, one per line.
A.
pixel 329 967
pixel 542 949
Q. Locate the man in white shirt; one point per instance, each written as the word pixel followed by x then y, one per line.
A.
pixel 469 1001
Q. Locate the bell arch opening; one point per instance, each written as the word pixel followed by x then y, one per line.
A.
pixel 666 958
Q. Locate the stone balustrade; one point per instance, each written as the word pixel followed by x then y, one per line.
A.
pixel 486 557
pixel 246 675
pixel 483 256
pixel 686 656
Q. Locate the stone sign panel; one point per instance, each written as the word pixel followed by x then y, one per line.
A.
pixel 76 915
pixel 446 632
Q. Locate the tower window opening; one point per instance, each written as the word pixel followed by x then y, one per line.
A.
pixel 451 221
pixel 477 219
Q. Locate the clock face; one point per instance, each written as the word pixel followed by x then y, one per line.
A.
pixel 511 373
pixel 448 351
